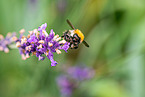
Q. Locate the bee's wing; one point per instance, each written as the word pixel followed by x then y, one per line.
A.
pixel 70 24
pixel 85 43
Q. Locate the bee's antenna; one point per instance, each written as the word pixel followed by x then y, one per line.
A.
pixel 70 24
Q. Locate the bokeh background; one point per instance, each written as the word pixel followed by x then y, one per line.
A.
pixel 114 29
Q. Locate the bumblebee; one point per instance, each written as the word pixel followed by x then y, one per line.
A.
pixel 74 37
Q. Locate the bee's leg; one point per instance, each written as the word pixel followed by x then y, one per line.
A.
pixel 75 47
pixel 62 36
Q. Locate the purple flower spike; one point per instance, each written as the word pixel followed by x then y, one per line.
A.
pixel 40 43
pixel 80 73
pixel 71 79
pixel 65 85
pixel 7 41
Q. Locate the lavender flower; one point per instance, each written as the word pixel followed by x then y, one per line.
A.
pixel 65 85
pixel 7 41
pixel 39 43
pixel 69 81
pixel 80 73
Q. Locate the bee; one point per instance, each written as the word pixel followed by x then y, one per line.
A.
pixel 74 37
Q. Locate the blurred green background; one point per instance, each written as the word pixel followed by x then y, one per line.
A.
pixel 114 29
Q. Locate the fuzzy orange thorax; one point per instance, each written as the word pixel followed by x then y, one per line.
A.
pixel 80 34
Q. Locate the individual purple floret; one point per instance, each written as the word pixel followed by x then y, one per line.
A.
pixel 39 43
pixel 80 73
pixel 65 85
pixel 7 41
